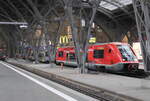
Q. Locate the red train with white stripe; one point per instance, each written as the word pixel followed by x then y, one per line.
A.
pixel 118 57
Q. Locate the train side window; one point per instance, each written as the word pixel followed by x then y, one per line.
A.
pixel 71 56
pixel 86 57
pixel 99 53
pixel 60 54
pixel 46 54
pixel 109 51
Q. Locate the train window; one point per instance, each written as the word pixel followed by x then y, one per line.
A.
pixel 71 56
pixel 86 57
pixel 46 54
pixel 60 54
pixel 109 51
pixel 99 53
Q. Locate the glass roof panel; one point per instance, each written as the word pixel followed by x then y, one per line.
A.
pixel 112 7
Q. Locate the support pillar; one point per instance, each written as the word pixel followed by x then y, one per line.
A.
pixel 142 14
pixel 81 48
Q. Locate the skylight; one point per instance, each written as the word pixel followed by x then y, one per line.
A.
pixel 112 7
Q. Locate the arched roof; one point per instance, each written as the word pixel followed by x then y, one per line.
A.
pixel 110 14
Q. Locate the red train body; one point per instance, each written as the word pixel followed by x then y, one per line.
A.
pixel 118 57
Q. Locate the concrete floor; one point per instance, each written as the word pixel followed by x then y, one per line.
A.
pixel 15 87
pixel 134 87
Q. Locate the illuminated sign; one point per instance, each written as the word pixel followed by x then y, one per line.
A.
pixel 64 39
pixel 137 50
pixel 92 40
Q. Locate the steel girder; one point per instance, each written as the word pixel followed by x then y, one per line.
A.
pixel 114 27
pixel 39 15
pixel 81 47
pixel 142 13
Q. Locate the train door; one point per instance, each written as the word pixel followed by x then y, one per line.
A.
pixel 108 56
pixel 71 59
pixel 60 56
pixel 67 58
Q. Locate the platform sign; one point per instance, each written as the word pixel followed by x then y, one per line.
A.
pixel 92 40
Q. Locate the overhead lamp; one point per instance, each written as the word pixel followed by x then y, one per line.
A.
pixel 23 26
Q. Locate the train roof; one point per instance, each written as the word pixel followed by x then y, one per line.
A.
pixel 115 43
pixel 66 48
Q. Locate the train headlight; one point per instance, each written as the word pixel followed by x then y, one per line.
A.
pixel 123 59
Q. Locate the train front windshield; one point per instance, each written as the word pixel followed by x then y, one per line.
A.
pixel 127 53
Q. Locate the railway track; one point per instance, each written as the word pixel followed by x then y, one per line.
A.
pixel 139 74
pixel 97 93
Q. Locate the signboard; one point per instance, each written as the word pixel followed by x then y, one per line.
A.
pixel 92 40
pixel 137 50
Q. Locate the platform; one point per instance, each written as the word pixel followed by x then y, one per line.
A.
pixel 133 87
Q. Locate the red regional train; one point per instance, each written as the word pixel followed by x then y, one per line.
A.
pixel 115 56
